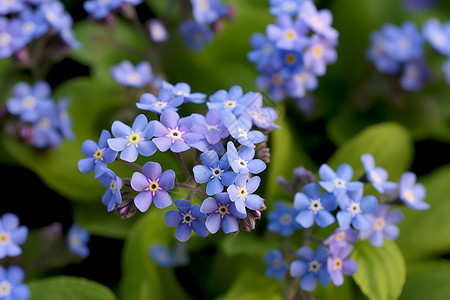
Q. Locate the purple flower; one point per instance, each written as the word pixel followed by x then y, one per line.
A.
pixel 208 11
pixel 415 75
pixel 354 209
pixel 133 140
pixel 211 129
pixel 112 195
pixel 339 263
pixel 188 218
pixel 153 186
pixel 232 101
pixel 262 117
pixel 403 43
pixel 97 155
pixel 196 36
pixel 173 133
pixel 11 38
pixel 376 175
pixel 311 267
pixel 11 235
pixel 242 161
pixel 11 286
pixel 275 82
pixel 319 54
pixel 100 9
pixel 214 172
pixel 282 219
pixel 30 101
pixel 288 34
pixel 77 239
pixel 319 21
pixel 383 224
pixel 164 102
pixel 438 35
pixel 412 194
pixel 276 265
pixel 339 181
pixel 183 90
pixel 240 129
pixel 222 213
pixel 158 32
pixel 284 7
pixel 314 206
pixel 241 193
pixel 341 238
pixel 126 74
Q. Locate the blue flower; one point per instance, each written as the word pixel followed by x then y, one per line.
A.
pixel 318 21
pixel 446 69
pixel 383 224
pixel 297 84
pixel 162 256
pixel 188 218
pixel 133 140
pixel 341 238
pixel 11 38
pixel 276 265
pixel 377 53
pixel 29 102
pixel 240 130
pixel 288 34
pixel 34 24
pixel 158 31
pixel 15 6
pixel 241 192
pixel 376 175
pixel 112 195
pixel 11 235
pixel 263 53
pixel 311 267
pixel 128 75
pixel 282 219
pixel 289 61
pixel 211 129
pixel 164 102
pixel 196 36
pixel 339 181
pixel 275 82
pixel 46 130
pixel 262 117
pixel 77 239
pixel 153 186
pixel 232 101
pixel 438 35
pixel 339 263
pixel 214 172
pixel 11 286
pixel 412 194
pixel 403 43
pixel 418 5
pixel 208 11
pixel 354 208
pixel 65 122
pixel 242 161
pixel 222 213
pixel 314 207
pixel 414 75
pixel 319 54
pixel 97 155
pixel 285 7
pixel 183 90
pixel 100 9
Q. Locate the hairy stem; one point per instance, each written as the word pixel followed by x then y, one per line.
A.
pixel 130 164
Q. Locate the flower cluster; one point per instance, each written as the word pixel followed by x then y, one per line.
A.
pixel 11 236
pixel 229 140
pixel 343 202
pixel 295 50
pixel 42 123
pixel 23 21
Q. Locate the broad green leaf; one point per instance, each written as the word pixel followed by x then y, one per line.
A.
pixel 381 271
pixel 247 243
pixel 429 281
pixel 251 285
pixel 68 288
pixel 142 278
pixel 427 233
pixel 389 143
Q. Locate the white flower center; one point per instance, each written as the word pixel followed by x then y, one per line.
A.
pixel 229 104
pixel 379 224
pixel 133 77
pixel 28 27
pixel 316 22
pixel 337 263
pixel 408 195
pixel 29 102
pixel 286 219
pixel 188 218
pixel 354 208
pixel 216 172
pixel 98 154
pixel 242 133
pixel 113 185
pixel 374 176
pixel 404 43
pixel 75 240
pixel 134 139
pixel 176 134
pixel 212 127
pixel 242 163
pixel 258 117
pixel 5 288
pixel 340 183
pixel 203 4
pixel 44 123
pixel 314 266
pixel 300 77
pixel 289 6
pixel 182 93
pixel 242 192
pixel 5 39
pixel 340 236
pixel 316 206
pixel 161 104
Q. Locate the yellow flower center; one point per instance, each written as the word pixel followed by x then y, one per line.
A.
pixel 337 263
pixel 290 58
pixel 98 154
pixel 340 236
pixel 277 79
pixel 409 196
pixel 134 138
pixel 44 123
pixel 223 210
pixel 230 104
pixel 242 192
pixel 290 34
pixel 5 288
pixel 29 102
pixel 153 186
pixel 318 51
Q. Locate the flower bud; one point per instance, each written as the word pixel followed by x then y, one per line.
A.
pixel 126 209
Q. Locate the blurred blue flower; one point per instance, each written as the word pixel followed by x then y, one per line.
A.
pixel 288 34
pixel 112 195
pixel 282 219
pixel 153 186
pixel 128 75
pixel 276 265
pixel 403 43
pixel 97 155
pixel 341 238
pixel 99 9
pixel 133 140
pixel 438 35
pixel 196 36
pixel 339 263
pixel 354 209
pixel 214 172
pixel 263 53
pixel 239 128
pixel 241 193
pixel 319 54
pixel 208 11
pixel 34 24
pixel 11 286
pixel 46 131
pixel 412 194
pixel 313 206
pixel 242 161
pixel 162 256
pixel 415 74
pixel 376 175
pixel 188 218
pixel 164 101
pixel 11 235
pixel 338 181
pixel 183 90
pixel 11 38
pixel 275 82
pixel 297 84
pixel 419 4
pixel 319 21
pixel 311 267
pixel 377 53
pixel 158 32
pixel 65 122
pixel 383 224
pixel 234 100
pixel 77 239
pixel 222 213
pixel 289 61
pixel 285 7
pixel 14 6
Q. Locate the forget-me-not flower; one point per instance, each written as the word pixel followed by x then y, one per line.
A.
pixel 240 129
pixel 338 181
pixel 319 21
pixel 128 75
pixel 11 235
pixel 243 161
pixel 186 219
pixel 164 101
pixel 196 36
pixel 376 175
pixel 311 267
pixel 208 11
pixel 412 193
pixel 182 89
pixel 282 219
pixel 112 195
pixel 241 192
pixel 339 263
pixel 77 240
pixel 354 209
pixel 11 286
pixel 277 266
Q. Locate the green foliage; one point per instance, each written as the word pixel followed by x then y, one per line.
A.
pixel 381 271
pixel 244 243
pixel 68 288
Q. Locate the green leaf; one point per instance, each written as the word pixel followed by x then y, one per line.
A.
pixel 389 143
pixel 381 271
pixel 429 282
pixel 142 278
pixel 68 288
pixel 427 233
pixel 244 243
